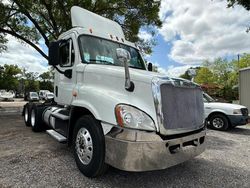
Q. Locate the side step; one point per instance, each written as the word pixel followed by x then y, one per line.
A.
pixel 60 138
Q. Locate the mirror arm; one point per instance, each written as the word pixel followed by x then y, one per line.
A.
pixel 129 85
pixel 68 74
pixel 62 72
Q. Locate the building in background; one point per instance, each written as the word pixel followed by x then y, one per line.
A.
pixel 244 87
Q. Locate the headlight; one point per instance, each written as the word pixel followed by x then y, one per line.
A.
pixel 237 111
pixel 131 117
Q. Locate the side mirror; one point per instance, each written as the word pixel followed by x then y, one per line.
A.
pixel 150 67
pixel 124 57
pixel 54 54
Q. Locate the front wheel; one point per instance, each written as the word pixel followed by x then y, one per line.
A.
pixel 219 122
pixel 89 147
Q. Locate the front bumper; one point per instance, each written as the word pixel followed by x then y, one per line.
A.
pixel 143 151
pixel 238 119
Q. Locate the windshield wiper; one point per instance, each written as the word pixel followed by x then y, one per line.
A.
pixel 102 61
pixel 134 67
pixel 110 63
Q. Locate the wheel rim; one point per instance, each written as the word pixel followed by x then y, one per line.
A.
pixel 32 118
pixel 218 123
pixel 84 146
pixel 26 114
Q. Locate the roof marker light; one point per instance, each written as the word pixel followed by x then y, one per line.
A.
pixel 90 30
pixel 117 38
pixel 111 36
pixel 122 40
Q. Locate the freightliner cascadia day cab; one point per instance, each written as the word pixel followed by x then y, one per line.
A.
pixel 110 108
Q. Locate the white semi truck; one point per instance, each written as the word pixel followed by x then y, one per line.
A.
pixel 110 108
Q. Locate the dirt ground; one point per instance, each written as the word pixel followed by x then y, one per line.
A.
pixel 30 159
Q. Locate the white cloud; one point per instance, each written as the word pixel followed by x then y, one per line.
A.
pixel 145 35
pixel 173 71
pixel 204 29
pixel 23 56
pixel 177 71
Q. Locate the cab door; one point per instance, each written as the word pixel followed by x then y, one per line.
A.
pixel 64 84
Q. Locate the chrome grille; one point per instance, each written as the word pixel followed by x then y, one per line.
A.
pixel 182 107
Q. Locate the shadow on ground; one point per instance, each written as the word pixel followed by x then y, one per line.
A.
pixel 240 131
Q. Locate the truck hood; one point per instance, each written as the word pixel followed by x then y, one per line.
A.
pixel 119 72
pixel 136 75
pixel 223 105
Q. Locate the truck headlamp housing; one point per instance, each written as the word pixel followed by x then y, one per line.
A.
pixel 237 111
pixel 131 117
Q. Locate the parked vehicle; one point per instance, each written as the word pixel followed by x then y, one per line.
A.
pixel 19 95
pixel 42 94
pixel 151 122
pixel 7 95
pixel 221 116
pixel 49 96
pixel 32 96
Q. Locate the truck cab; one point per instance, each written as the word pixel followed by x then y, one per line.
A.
pixel 110 108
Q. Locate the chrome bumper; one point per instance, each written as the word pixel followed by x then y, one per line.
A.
pixel 143 151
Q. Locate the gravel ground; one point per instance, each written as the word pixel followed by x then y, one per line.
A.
pixel 30 159
pixel 12 107
pixel 16 103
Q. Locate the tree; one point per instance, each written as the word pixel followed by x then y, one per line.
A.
pixel 204 76
pixel 8 77
pixel 29 21
pixel 244 3
pixel 243 62
pixel 46 76
pixel 223 75
pixel 46 80
pixel 31 83
pixel 186 75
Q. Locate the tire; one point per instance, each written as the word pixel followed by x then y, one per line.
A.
pixel 36 120
pixel 218 122
pixel 26 115
pixel 90 160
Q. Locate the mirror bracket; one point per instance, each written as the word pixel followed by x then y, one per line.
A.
pixel 68 73
pixel 124 57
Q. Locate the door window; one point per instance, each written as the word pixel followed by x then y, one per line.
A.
pixel 67 54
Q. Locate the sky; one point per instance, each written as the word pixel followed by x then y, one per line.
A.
pixel 192 31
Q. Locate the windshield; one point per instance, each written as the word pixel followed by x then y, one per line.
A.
pixel 33 95
pixel 207 98
pixel 101 51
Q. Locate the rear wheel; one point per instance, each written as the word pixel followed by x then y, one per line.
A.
pixel 36 121
pixel 218 122
pixel 26 115
pixel 89 147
